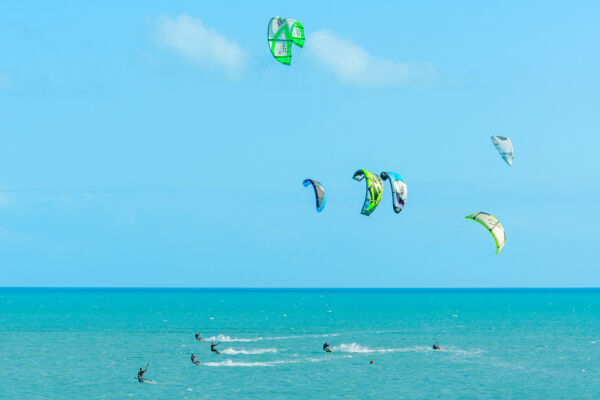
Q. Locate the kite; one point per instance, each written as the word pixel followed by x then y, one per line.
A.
pixel 493 226
pixel 504 147
pixel 281 34
pixel 374 190
pixel 399 189
pixel 319 193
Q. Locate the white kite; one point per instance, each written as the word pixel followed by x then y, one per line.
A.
pixel 504 147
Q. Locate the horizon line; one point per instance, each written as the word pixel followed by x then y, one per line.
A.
pixel 266 288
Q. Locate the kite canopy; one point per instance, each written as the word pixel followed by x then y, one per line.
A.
pixel 319 193
pixel 493 226
pixel 374 190
pixel 399 189
pixel 504 147
pixel 281 34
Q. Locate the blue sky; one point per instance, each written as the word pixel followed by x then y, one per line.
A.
pixel 136 152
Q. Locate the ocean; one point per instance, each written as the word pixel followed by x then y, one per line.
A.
pixel 497 344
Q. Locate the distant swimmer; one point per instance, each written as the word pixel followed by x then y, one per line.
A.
pixel 326 348
pixel 194 361
pixel 437 347
pixel 213 347
pixel 198 338
pixel 141 373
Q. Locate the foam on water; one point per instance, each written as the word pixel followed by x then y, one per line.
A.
pixel 356 348
pixel 253 351
pixel 231 363
pixel 224 338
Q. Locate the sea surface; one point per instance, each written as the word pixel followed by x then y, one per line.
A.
pixel 497 344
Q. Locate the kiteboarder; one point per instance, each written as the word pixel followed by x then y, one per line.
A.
pixel 141 373
pixel 326 348
pixel 213 347
pixel 198 338
pixel 437 347
pixel 194 361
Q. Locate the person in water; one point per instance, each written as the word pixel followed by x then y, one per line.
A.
pixel 141 373
pixel 437 347
pixel 213 347
pixel 194 361
pixel 198 338
pixel 326 348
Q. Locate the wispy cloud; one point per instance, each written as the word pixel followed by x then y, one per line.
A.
pixel 201 44
pixel 352 64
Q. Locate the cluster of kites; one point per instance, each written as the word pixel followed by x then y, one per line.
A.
pixel 374 184
pixel 282 34
pixel 374 192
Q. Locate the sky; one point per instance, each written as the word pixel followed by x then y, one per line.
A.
pixel 159 144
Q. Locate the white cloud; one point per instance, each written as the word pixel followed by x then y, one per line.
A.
pixel 201 44
pixel 354 65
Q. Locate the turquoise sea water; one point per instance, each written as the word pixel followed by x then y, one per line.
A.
pixel 512 344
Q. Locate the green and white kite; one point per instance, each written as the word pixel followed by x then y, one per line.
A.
pixel 374 190
pixel 492 224
pixel 281 34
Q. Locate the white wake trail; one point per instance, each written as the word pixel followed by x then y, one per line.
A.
pixel 231 363
pixel 225 338
pixel 254 351
pixel 356 348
